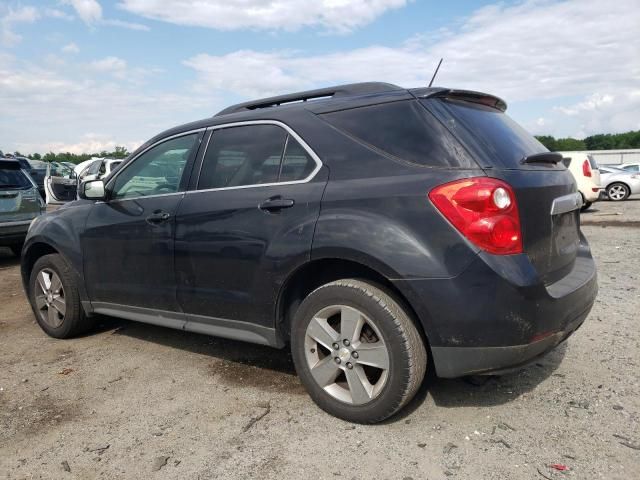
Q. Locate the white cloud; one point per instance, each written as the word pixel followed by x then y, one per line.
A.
pixel 89 11
pixel 12 16
pixel 109 64
pixel 88 143
pixel 56 13
pixel 52 107
pixel 128 25
pixel 531 51
pixel 70 48
pixel 332 15
pixel 597 101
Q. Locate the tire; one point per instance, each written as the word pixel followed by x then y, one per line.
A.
pixel 16 249
pixel 383 330
pixel 618 191
pixel 585 206
pixel 61 323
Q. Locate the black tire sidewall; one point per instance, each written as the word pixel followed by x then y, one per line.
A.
pixel 391 395
pixel 74 319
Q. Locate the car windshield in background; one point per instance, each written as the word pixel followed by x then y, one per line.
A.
pixel 38 164
pixel 60 170
pixel 507 142
pixel 11 178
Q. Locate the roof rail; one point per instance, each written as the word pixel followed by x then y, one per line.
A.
pixel 329 92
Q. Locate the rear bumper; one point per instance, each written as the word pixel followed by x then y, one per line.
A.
pixel 498 314
pixel 12 233
pixel 591 194
pixel 454 362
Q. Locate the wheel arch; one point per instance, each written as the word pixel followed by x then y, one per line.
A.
pixel 321 271
pixel 30 256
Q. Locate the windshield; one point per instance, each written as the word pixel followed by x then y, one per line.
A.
pixel 60 170
pixel 11 178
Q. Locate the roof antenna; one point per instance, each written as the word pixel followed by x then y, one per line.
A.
pixel 435 73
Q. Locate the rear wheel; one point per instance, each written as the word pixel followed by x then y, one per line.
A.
pixel 54 298
pixel 618 191
pixel 357 352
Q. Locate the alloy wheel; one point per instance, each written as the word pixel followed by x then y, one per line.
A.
pixel 617 192
pixel 49 296
pixel 346 354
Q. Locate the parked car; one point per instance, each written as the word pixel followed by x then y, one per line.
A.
pixel 20 203
pixel 346 222
pixel 619 184
pixel 628 167
pixel 584 169
pixel 36 169
pixel 61 184
pixel 97 168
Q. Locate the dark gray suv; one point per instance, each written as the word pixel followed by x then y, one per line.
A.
pixel 364 225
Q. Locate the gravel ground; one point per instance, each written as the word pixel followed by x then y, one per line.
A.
pixel 137 401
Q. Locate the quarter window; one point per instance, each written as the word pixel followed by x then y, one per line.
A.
pixel 297 164
pixel 157 171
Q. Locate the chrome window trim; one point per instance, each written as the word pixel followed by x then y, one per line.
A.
pixel 278 123
pixel 130 162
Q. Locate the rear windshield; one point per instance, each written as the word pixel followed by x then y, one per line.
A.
pixel 503 143
pixel 404 130
pixel 11 178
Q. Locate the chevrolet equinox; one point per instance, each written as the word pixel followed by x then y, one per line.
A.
pixel 370 227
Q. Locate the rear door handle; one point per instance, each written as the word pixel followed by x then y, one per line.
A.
pixel 158 217
pixel 275 204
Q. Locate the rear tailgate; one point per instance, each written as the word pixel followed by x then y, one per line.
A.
pixel 19 200
pixel 550 232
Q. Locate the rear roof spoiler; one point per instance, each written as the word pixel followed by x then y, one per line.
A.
pixel 462 95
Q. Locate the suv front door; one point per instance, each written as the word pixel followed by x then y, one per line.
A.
pixel 128 240
pixel 248 222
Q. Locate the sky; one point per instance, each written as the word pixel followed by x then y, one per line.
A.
pixel 87 75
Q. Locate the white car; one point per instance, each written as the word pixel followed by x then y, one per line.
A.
pixel 96 168
pixel 585 171
pixel 619 184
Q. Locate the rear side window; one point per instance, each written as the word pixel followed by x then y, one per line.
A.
pixel 11 178
pixel 503 142
pixel 253 155
pixel 592 162
pixel 404 130
pixel 241 156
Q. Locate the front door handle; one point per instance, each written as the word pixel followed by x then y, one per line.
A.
pixel 276 204
pixel 158 217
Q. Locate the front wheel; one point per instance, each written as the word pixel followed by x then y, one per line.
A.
pixel 53 293
pixel 618 192
pixel 357 352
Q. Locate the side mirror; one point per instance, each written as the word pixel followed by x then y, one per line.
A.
pixel 92 190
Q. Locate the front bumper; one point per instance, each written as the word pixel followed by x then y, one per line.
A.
pixel 12 233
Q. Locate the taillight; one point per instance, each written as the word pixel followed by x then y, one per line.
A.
pixel 484 210
pixel 586 168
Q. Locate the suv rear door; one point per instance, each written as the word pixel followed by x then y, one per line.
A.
pixel 247 221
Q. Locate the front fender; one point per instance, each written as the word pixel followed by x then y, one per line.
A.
pixel 59 230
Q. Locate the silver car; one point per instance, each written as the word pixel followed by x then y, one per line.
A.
pixel 20 203
pixel 619 184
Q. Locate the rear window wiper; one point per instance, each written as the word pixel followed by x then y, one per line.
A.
pixel 544 157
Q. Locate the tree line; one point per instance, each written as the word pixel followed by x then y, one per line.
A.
pixel 602 141
pixel 119 152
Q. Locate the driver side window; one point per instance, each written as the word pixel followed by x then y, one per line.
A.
pixel 157 171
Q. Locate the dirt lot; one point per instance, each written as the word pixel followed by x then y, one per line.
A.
pixel 136 401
